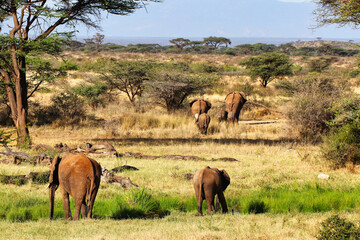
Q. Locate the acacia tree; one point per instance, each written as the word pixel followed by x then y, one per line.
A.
pixel 268 66
pixel 40 18
pixel 180 43
pixel 340 12
pixel 216 42
pixel 127 77
pixel 170 89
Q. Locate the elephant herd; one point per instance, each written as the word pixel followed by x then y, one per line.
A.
pixel 79 177
pixel 234 102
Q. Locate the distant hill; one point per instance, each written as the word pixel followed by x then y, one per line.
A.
pixel 337 44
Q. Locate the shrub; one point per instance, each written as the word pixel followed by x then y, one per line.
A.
pixel 319 64
pixel 93 94
pixel 67 65
pixel 313 97
pixel 66 109
pixel 256 206
pixel 342 145
pixel 336 227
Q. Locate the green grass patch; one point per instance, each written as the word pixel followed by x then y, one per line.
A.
pixel 140 203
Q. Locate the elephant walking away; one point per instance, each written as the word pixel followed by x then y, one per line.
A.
pixel 203 123
pixel 209 182
pixel 77 176
pixel 198 107
pixel 234 102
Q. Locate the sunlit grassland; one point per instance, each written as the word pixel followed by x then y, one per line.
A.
pixel 273 171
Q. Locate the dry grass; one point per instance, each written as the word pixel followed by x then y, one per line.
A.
pixel 268 158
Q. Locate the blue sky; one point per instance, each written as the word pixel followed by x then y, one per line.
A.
pixel 228 18
pixel 225 18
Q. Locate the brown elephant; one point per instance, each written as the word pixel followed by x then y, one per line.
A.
pixel 209 182
pixel 203 123
pixel 234 102
pixel 198 107
pixel 79 177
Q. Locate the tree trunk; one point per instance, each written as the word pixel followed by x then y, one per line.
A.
pixel 21 103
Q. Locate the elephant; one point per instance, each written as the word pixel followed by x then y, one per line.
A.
pixel 234 102
pixel 198 107
pixel 203 123
pixel 222 115
pixel 209 182
pixel 79 177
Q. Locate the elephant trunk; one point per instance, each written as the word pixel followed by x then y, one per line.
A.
pixel 52 189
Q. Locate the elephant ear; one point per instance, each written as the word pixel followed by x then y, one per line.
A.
pixel 192 102
pixel 54 171
pixel 225 179
pixel 243 95
pixel 208 104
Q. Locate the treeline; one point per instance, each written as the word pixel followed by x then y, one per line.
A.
pixel 210 45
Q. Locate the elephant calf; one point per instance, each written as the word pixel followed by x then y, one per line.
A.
pixel 203 122
pixel 209 182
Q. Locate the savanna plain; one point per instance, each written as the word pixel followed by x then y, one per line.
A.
pixel 275 192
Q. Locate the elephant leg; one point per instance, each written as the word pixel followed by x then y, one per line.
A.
pixel 199 198
pixel 217 207
pixel 78 203
pixel 90 203
pixel 223 202
pixel 66 204
pixel 210 196
pixel 83 210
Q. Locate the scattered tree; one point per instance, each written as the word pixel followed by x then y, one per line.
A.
pixel 98 40
pixel 216 42
pixel 180 43
pixel 39 19
pixel 171 89
pixel 268 66
pixel 127 77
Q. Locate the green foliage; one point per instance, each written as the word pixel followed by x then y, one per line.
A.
pixel 256 206
pixel 268 66
pixel 127 77
pixel 68 65
pixel 5 136
pixel 141 199
pixel 170 89
pixel 342 144
pixel 338 12
pixel 67 108
pixel 319 64
pixel 93 93
pixel 216 42
pixel 337 228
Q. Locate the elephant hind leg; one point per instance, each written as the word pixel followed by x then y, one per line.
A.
pixel 83 210
pixel 66 204
pixel 78 207
pixel 210 196
pixel 199 194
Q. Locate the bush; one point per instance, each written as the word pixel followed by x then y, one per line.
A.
pixel 66 109
pixel 313 97
pixel 93 93
pixel 336 227
pixel 67 65
pixel 256 207
pixel 342 145
pixel 319 64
